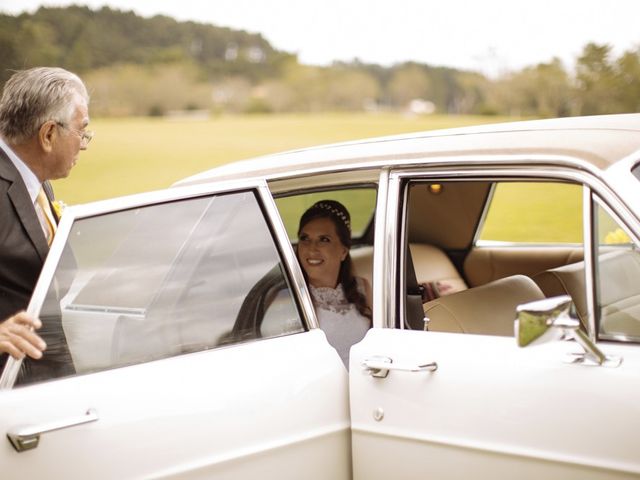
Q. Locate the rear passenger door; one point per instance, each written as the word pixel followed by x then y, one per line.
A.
pixel 450 405
pixel 180 345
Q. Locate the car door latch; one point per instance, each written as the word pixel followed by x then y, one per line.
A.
pixel 28 437
pixel 380 366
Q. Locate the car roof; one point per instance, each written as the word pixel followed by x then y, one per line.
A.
pixel 600 141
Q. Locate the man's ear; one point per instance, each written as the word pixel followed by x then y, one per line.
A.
pixel 47 135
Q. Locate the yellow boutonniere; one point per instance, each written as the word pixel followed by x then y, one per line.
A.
pixel 59 207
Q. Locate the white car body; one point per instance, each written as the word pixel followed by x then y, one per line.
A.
pixel 451 405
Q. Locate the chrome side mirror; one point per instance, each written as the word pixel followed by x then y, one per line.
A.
pixel 551 319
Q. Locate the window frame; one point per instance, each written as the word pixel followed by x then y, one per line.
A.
pixel 394 234
pixel 367 234
pixel 264 201
pixel 595 202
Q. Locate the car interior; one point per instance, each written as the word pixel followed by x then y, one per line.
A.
pixel 468 284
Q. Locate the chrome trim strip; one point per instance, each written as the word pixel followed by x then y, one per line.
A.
pixel 516 245
pixel 401 249
pixel 382 275
pixel 483 215
pixel 618 337
pixel 391 248
pixel 590 279
pixel 300 289
pixel 135 312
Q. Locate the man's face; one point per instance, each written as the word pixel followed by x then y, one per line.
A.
pixel 68 143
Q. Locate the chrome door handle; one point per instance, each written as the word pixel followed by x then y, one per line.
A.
pixel 379 367
pixel 27 437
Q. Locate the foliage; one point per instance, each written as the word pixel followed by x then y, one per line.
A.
pixel 154 66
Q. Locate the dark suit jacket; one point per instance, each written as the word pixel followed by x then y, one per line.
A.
pixel 23 249
pixel 23 246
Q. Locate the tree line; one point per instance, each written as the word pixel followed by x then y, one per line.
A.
pixel 155 66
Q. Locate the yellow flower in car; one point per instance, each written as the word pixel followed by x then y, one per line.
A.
pixel 617 236
pixel 58 207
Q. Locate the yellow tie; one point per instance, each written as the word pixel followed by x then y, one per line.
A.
pixel 50 226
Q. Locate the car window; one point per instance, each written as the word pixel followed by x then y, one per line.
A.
pixel 454 284
pixel 617 279
pixel 533 212
pixel 360 202
pixel 164 280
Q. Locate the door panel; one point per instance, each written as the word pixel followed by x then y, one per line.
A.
pixel 492 409
pixel 238 412
pixel 177 322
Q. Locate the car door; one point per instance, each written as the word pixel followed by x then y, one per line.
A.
pixel 180 345
pixel 438 404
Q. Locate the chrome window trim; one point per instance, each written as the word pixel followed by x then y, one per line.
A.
pixel 383 254
pixel 589 178
pixel 483 215
pixel 589 261
pixel 617 337
pixel 294 271
pixel 595 276
pixel 324 188
pixel 515 245
pixel 401 250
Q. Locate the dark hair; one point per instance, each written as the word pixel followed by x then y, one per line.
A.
pixel 339 215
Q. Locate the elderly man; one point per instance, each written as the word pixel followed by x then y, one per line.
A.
pixel 43 121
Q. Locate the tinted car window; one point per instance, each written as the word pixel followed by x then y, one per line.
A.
pixel 617 279
pixel 153 282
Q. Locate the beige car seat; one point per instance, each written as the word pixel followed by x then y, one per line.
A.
pixel 489 309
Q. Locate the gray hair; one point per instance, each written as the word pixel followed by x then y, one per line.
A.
pixel 32 97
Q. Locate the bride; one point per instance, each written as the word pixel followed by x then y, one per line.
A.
pixel 342 301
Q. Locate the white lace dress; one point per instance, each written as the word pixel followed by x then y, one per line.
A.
pixel 340 320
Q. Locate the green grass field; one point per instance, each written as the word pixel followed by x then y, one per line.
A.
pixel 134 155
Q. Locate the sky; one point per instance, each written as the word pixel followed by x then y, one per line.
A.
pixel 490 36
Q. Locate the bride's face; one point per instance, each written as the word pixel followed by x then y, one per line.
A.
pixel 320 252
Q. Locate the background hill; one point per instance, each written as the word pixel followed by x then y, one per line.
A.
pixel 159 66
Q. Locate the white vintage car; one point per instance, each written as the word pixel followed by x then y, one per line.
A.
pixel 183 341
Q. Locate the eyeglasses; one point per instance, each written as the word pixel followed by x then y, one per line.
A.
pixel 85 135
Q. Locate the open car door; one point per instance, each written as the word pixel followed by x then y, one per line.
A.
pixel 160 364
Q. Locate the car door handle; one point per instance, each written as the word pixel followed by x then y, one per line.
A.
pixel 379 367
pixel 27 437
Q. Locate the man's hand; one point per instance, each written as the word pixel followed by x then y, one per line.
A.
pixel 17 337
